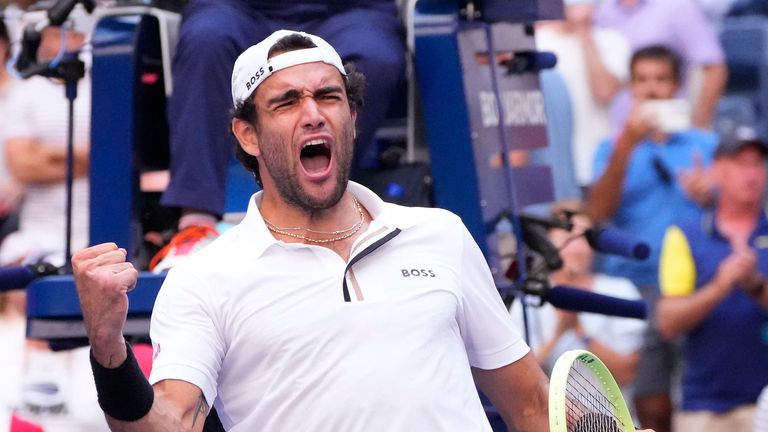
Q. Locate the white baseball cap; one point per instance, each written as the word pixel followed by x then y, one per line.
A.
pixel 253 66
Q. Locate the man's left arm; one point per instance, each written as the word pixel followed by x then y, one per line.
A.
pixel 519 391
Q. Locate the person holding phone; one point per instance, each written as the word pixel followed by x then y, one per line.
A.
pixel 646 177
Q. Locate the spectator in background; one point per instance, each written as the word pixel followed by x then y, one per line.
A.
pixel 56 389
pixel 647 177
pixel 617 341
pixel 12 322
pixel 367 34
pixel 713 281
pixel 36 150
pixel 10 190
pixel 594 64
pixel 12 305
pixel 682 26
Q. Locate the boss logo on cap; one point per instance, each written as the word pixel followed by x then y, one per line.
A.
pixel 255 78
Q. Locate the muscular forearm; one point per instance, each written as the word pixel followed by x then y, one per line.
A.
pixel 605 194
pixel 519 391
pixel 712 85
pixel 677 315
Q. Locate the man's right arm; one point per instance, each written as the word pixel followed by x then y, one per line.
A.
pixel 103 279
pixel 606 192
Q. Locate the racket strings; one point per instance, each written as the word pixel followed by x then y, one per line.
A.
pixel 587 408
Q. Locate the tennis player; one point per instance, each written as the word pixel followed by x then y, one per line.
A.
pixel 326 309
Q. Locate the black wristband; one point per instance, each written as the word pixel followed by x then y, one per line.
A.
pixel 124 392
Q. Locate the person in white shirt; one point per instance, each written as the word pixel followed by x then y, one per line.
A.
pixel 35 149
pixel 326 309
pixel 593 62
pixel 617 341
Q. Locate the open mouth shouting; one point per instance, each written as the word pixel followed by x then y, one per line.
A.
pixel 315 157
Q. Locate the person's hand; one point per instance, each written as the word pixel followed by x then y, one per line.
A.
pixel 639 124
pixel 697 182
pixel 566 320
pixel 580 17
pixel 103 279
pixel 737 268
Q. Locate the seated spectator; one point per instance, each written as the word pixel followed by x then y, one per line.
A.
pixel 10 190
pixel 55 389
pixel 617 341
pixel 367 34
pixel 36 151
pixel 715 293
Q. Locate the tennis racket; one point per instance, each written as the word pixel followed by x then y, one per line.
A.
pixel 584 397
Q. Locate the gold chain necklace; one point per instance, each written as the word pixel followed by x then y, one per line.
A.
pixel 341 234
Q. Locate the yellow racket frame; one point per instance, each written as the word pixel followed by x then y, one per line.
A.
pixel 558 421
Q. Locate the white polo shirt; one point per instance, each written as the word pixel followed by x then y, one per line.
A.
pixel 263 327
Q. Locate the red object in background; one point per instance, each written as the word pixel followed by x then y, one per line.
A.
pixel 19 425
pixel 150 78
pixel 143 354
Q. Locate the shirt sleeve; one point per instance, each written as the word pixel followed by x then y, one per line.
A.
pixel 185 338
pixel 614 51
pixel 698 37
pixel 677 270
pixel 490 338
pixel 602 156
pixel 18 123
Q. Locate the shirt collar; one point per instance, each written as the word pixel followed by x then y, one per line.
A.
pixel 709 225
pixel 259 238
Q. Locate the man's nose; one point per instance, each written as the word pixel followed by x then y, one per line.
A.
pixel 312 116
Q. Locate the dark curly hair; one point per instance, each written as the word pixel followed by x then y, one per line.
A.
pixel 354 84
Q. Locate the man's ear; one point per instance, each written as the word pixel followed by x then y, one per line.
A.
pixel 245 132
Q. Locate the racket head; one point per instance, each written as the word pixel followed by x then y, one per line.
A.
pixel 584 396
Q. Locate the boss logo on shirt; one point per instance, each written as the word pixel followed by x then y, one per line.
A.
pixel 417 273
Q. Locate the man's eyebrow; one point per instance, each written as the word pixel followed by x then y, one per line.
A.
pixel 328 89
pixel 288 95
pixel 294 94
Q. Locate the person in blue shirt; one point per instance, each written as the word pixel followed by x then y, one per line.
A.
pixel 653 173
pixel 713 283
